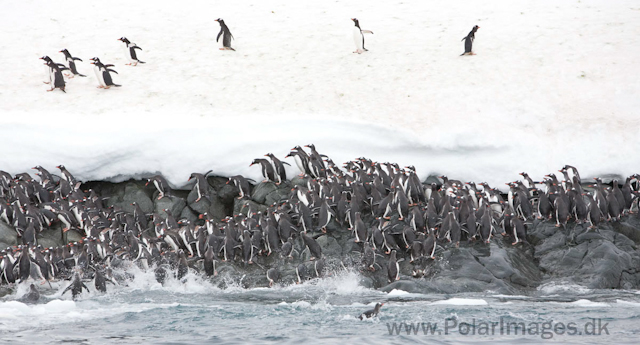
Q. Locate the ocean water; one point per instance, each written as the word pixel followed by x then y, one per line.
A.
pixel 321 311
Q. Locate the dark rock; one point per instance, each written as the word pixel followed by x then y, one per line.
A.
pixel 330 247
pixel 226 191
pixel 123 195
pixel 188 214
pixel 242 206
pixel 174 204
pixel 260 192
pixel 8 235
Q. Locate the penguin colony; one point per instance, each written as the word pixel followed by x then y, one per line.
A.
pixel 384 209
pixel 55 77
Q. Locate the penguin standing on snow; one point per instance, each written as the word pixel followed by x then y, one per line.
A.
pixel 130 51
pixel 225 44
pixel 468 41
pixel 55 74
pixel 102 73
pixel 72 63
pixel 358 36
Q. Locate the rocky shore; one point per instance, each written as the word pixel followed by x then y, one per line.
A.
pixel 605 257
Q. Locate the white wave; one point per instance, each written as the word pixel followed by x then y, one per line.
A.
pixel 556 287
pixel 461 301
pixel 628 303
pixel 588 303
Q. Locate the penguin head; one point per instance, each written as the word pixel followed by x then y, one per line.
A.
pixel 475 28
pixel 355 20
pixel 219 20
pixel 124 39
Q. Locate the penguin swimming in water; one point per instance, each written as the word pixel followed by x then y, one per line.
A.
pixel 130 51
pixel 71 61
pixel 225 43
pixel 372 312
pixel 468 41
pixel 102 73
pixel 358 36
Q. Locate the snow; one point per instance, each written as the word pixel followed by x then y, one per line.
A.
pixel 553 83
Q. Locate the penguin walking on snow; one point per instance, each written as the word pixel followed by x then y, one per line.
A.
pixel 225 43
pixel 71 61
pixel 130 51
pixel 55 74
pixel 358 36
pixel 50 71
pixel 468 41
pixel 102 73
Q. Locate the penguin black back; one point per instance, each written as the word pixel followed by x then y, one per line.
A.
pixel 468 41
pixel 226 35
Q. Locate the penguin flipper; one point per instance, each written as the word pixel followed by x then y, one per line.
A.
pixel 75 58
pixel 367 32
pixel 136 47
pixel 218 37
pixel 110 70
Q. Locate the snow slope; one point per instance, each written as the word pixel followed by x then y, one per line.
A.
pixel 552 83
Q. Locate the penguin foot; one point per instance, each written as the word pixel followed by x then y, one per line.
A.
pixel 46 82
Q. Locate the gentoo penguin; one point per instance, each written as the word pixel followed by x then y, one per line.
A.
pixel 56 79
pixel 130 51
pixel 393 269
pixel 242 184
pixel 76 286
pixel 267 169
pixel 302 273
pixel 468 41
pixel 71 61
pixel 314 247
pixel 281 173
pixel 100 281
pixel 371 313
pixel 358 36
pixel 103 74
pixel 225 43
pixel 32 296
pixel 369 257
pixel 161 185
pixel 273 275
pixel 49 75
pixel 210 262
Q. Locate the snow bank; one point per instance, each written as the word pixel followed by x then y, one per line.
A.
pixel 552 83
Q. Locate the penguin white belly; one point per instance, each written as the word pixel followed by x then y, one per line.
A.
pixel 49 77
pixel 98 73
pixel 127 53
pixel 358 39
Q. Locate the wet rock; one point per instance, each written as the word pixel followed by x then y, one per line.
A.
pixel 174 204
pixel 8 235
pixel 260 192
pixel 123 195
pixel 330 247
